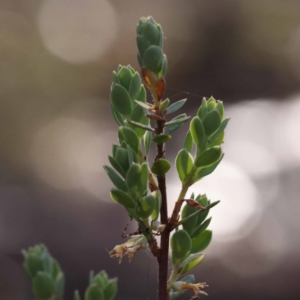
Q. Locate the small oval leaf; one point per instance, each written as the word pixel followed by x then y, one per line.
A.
pixel 175 106
pixel 211 122
pixel 181 246
pixel 201 242
pixel 146 207
pixel 130 138
pixel 122 198
pixel 161 138
pixel 208 157
pixel 160 167
pixel 184 164
pixel 153 58
pixel 121 100
pixel 115 178
pixel 191 262
pixel 198 132
pixel 43 285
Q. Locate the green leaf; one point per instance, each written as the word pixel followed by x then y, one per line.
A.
pixel 110 290
pixel 170 129
pixel 142 126
pixel 219 131
pixel 122 158
pixel 142 44
pixel 181 246
pixel 202 172
pixel 117 116
pixel 130 137
pixel 175 106
pixel 164 104
pixel 132 156
pixel 211 122
pixel 160 167
pixel 153 58
pixel 188 279
pixel 121 100
pixel 139 117
pixel 115 178
pixel 116 78
pixel 144 178
pixel 201 227
pixel 94 292
pixel 189 224
pixel 198 133
pixel 35 264
pixel 125 76
pixel 116 166
pixel 191 262
pixel 147 141
pixel 142 104
pixel 133 176
pixel 59 285
pixel 220 109
pixel 202 109
pixel 122 198
pixel 146 206
pixel 164 66
pixel 151 33
pixel 43 286
pixel 47 264
pixel 158 201
pixel 184 164
pixel 211 103
pixel 201 242
pixel 76 295
pixel 208 157
pixel 142 95
pixel 188 142
pixel 135 86
pixel 218 141
pixel 161 138
pixel 177 121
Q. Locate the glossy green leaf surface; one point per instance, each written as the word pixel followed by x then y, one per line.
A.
pixel 188 142
pixel 211 122
pixel 208 157
pixel 181 245
pixel 161 138
pixel 142 126
pixel 156 211
pixel 117 116
pixel 220 130
pixel 201 242
pixel 121 100
pixel 147 141
pixel 153 58
pixel 175 106
pixel 200 228
pixel 116 179
pixel 122 198
pixel 164 104
pixel 202 111
pixel 59 286
pixel 135 86
pixel 146 206
pixel 191 262
pixel 189 225
pixel 130 137
pixel 197 132
pixel 202 172
pixel 125 76
pixel 143 105
pixel 177 121
pixel 133 176
pixel 116 166
pixel 184 164
pixel 160 167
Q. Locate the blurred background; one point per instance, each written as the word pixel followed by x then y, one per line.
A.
pixel 56 130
